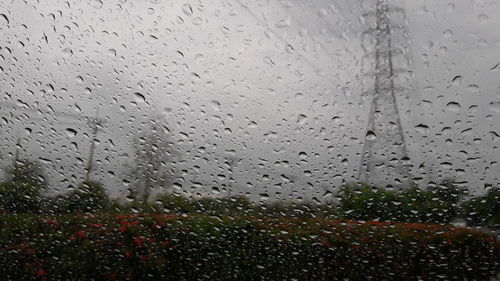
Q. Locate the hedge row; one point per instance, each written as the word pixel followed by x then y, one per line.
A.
pixel 161 247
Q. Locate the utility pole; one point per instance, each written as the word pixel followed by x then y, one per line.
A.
pixel 16 155
pixel 94 123
pixel 384 158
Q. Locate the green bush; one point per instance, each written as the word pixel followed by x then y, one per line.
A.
pixel 435 205
pixel 161 247
pixel 21 193
pixel 20 197
pixel 484 210
pixel 368 203
pixel 88 197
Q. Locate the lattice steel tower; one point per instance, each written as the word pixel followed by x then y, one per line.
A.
pixel 384 158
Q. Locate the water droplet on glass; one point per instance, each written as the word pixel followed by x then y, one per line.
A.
pixel 138 97
pixel 473 88
pixel 67 52
pixel 187 10
pixel 453 106
pixel 4 19
pixel 370 135
pixel 421 128
pixel 483 18
pixel 70 132
pixel 215 105
pixel 301 119
pixel 495 106
pixel 284 23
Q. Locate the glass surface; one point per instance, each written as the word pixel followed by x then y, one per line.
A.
pixel 249 140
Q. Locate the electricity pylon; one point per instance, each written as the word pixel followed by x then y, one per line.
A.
pixel 94 123
pixel 384 158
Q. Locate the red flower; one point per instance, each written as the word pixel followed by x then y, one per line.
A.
pixel 128 254
pixel 41 272
pixel 123 228
pixel 81 234
pixel 138 241
pixel 30 251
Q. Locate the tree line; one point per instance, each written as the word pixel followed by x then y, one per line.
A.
pixel 444 203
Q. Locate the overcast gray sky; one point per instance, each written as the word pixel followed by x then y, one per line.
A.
pixel 274 85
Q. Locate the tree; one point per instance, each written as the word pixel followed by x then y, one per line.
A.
pixel 447 196
pixel 369 203
pixel 448 191
pixel 485 209
pixel 26 171
pixel 154 154
pixel 89 197
pixel 21 193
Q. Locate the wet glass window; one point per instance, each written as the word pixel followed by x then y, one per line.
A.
pixel 249 140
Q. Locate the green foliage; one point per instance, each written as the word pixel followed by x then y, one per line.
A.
pixel 484 210
pixel 161 247
pixel 21 193
pixel 368 203
pixel 19 197
pixel 229 206
pixel 302 210
pixel 88 197
pixel 29 172
pixel 447 191
pixel 174 204
pixel 436 205
pixel 427 206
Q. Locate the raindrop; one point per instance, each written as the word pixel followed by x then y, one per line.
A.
pixel 67 52
pixel 421 128
pixel 70 132
pixel 215 105
pixel 198 58
pixel 301 119
pixel 447 33
pixel 457 81
pixel 495 106
pixel 473 88
pixel 187 10
pixel 97 4
pixel 284 23
pixel 138 97
pixel 370 135
pixel 4 19
pixel 252 124
pixel 215 190
pixel 197 21
pixel 152 39
pixel 453 106
pixel 483 18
